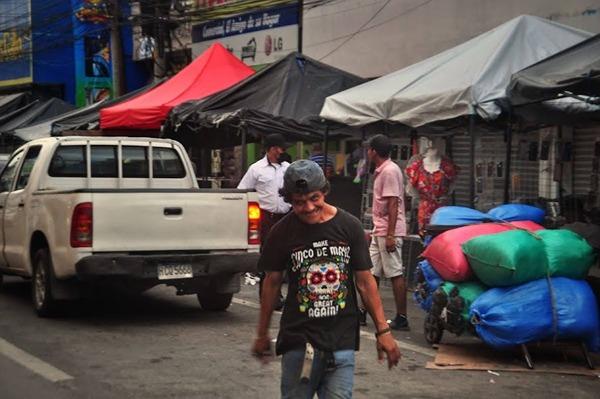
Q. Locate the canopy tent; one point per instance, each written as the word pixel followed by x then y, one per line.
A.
pixel 8 116
pixel 214 70
pixel 575 70
pixel 285 98
pixel 88 118
pixel 464 80
pixel 36 113
pixel 12 102
pixel 44 129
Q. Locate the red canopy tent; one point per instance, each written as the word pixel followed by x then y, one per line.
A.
pixel 214 70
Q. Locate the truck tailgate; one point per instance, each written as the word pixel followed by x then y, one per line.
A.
pixel 169 221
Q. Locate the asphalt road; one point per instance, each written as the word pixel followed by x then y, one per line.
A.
pixel 159 345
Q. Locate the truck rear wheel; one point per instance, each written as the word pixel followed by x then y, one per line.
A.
pixel 41 284
pixel 214 301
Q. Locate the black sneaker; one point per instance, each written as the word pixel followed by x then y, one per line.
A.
pixel 362 317
pixel 400 323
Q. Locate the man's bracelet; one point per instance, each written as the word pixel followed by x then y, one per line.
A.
pixel 382 332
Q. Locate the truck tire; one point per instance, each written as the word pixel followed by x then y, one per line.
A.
pixel 41 284
pixel 214 301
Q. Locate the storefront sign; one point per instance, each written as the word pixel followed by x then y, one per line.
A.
pixel 15 42
pixel 259 37
pixel 93 69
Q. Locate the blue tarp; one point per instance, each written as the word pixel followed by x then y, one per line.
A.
pixel 461 216
pixel 544 309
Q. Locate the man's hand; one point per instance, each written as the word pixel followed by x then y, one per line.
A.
pixel 262 349
pixel 390 243
pixel 387 344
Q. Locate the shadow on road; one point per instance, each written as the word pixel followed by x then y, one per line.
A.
pixel 156 306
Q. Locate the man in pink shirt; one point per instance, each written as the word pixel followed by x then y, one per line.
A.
pixel 389 225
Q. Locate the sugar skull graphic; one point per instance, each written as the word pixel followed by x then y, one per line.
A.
pixel 323 278
pixel 323 289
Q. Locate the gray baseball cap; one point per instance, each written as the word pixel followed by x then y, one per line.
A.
pixel 303 176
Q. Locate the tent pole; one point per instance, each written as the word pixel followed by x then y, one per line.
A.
pixel 326 150
pixel 244 149
pixel 472 161
pixel 509 134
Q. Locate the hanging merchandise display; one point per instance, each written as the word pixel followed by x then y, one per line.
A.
pixel 557 308
pixel 431 176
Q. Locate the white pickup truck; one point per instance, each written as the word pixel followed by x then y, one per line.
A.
pixel 120 212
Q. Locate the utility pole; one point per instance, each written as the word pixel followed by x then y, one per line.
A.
pixel 116 51
pixel 300 17
pixel 160 62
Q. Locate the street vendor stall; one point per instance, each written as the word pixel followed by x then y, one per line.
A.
pixel 214 70
pixel 564 90
pixel 459 89
pixel 284 98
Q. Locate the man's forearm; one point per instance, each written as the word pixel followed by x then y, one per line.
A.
pixel 367 288
pixel 392 208
pixel 270 292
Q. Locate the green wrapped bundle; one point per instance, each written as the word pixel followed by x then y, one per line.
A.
pixel 507 258
pixel 568 254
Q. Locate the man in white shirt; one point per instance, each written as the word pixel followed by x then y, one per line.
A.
pixel 266 177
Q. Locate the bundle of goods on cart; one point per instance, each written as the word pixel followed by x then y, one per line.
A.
pixel 504 277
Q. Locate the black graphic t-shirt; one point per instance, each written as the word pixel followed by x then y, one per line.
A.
pixel 321 305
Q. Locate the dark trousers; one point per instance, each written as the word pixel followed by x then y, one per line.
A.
pixel 267 221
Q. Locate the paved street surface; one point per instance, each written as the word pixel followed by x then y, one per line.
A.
pixel 158 345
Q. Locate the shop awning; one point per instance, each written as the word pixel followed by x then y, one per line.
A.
pixel 575 70
pixel 214 70
pixel 464 80
pixel 38 112
pixel 285 98
pixel 88 118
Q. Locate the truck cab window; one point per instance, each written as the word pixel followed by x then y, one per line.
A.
pixel 135 161
pixel 166 163
pixel 8 175
pixel 104 161
pixel 68 161
pixel 30 158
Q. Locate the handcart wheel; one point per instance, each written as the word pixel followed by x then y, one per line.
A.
pixel 434 330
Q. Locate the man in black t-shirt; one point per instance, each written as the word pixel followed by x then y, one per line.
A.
pixel 325 254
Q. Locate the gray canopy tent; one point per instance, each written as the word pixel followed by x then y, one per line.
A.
pixel 563 88
pixel 468 80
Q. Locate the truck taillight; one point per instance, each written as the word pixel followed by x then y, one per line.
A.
pixel 82 225
pixel 253 223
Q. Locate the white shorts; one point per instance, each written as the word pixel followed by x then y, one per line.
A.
pixel 386 264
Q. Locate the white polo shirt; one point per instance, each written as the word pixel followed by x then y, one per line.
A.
pixel 266 178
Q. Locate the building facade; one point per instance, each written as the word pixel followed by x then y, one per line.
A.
pixel 62 49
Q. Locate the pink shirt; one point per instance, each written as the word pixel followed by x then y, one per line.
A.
pixel 388 183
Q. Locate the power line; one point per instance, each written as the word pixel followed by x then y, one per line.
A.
pixel 358 31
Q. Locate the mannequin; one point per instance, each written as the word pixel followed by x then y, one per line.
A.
pixel 431 176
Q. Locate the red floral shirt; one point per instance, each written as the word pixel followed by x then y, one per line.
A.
pixel 433 187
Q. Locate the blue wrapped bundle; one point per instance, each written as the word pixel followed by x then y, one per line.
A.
pixel 428 280
pixel 506 317
pixel 517 212
pixel 457 216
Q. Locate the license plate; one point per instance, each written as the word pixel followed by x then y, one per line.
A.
pixel 168 272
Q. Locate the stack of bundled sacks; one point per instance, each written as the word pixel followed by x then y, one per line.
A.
pixel 508 279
